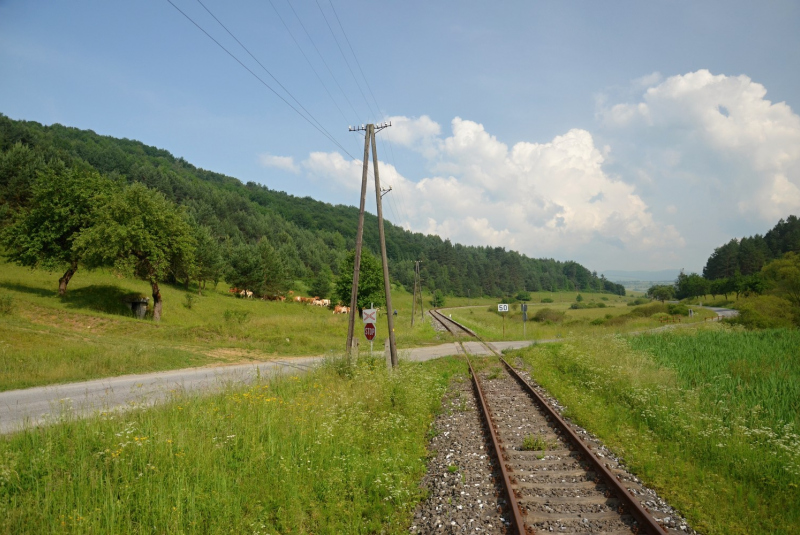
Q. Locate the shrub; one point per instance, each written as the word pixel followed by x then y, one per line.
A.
pixel 598 321
pixel 638 301
pixel 765 312
pixel 523 296
pixel 546 300
pixel 648 310
pixel 678 310
pixel 188 301
pixel 438 299
pixel 236 316
pixel 548 314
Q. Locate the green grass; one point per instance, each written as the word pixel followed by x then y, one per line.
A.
pixel 489 324
pixel 90 333
pixel 709 418
pixel 327 452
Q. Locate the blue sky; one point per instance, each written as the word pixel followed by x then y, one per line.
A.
pixel 624 135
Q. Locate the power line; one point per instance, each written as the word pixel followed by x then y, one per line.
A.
pixel 260 64
pixel 355 57
pixel 308 60
pixel 265 84
pixel 339 46
pixel 323 60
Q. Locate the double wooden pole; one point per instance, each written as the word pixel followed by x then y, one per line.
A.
pixel 370 137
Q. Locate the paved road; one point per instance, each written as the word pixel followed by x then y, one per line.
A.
pixel 35 406
pixel 40 405
pixel 724 312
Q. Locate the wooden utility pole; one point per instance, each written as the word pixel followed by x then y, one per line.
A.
pixel 357 260
pixel 370 138
pixel 414 298
pixel 386 285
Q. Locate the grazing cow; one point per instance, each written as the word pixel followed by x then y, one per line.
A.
pixel 325 302
pixel 298 299
pixel 246 294
pixel 234 290
pixel 316 303
pixel 339 309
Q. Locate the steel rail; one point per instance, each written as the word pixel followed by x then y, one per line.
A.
pixel 512 499
pixel 631 502
pixel 638 511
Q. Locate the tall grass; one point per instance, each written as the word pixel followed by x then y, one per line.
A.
pixel 709 418
pixel 321 453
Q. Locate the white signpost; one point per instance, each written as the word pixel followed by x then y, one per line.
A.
pixel 503 308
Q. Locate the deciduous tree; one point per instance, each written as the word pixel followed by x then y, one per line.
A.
pixel 62 201
pixel 137 230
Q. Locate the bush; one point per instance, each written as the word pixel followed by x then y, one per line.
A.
pixel 438 299
pixel 523 296
pixel 549 315
pixel 678 310
pixel 638 301
pixel 546 300
pixel 765 312
pixel 598 321
pixel 648 310
pixel 236 316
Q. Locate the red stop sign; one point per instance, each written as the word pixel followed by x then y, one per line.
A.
pixel 369 331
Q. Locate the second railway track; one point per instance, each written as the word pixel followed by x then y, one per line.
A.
pixel 553 481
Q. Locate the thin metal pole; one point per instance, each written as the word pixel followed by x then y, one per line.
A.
pixel 357 260
pixel 386 285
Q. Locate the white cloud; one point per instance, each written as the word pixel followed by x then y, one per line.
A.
pixel 544 199
pixel 718 132
pixel 281 162
pixel 419 133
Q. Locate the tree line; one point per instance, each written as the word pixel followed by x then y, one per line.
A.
pixel 245 233
pixel 751 266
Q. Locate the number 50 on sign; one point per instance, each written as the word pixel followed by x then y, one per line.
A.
pixel 502 307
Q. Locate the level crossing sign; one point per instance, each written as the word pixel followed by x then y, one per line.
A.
pixel 369 315
pixel 369 331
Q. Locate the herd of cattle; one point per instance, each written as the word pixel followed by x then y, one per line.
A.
pixel 315 301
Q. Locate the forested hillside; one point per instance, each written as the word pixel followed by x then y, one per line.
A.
pixel 748 255
pixel 309 237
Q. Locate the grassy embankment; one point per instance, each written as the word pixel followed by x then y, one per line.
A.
pixel 709 418
pixel 338 450
pixel 614 316
pixel 91 333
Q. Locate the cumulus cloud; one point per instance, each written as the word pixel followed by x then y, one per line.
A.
pixel 719 131
pixel 281 162
pixel 539 198
pixel 417 133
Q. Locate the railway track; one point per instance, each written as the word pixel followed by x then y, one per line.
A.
pixel 554 482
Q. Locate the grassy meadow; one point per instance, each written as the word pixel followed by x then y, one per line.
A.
pixel 338 450
pixel 90 333
pixel 611 317
pixel 709 416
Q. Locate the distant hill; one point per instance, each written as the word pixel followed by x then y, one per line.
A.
pixel 644 276
pixel 310 236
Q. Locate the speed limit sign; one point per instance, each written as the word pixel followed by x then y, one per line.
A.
pixel 502 307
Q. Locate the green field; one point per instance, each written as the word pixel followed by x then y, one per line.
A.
pixel 90 333
pixel 491 325
pixel 339 450
pixel 708 417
